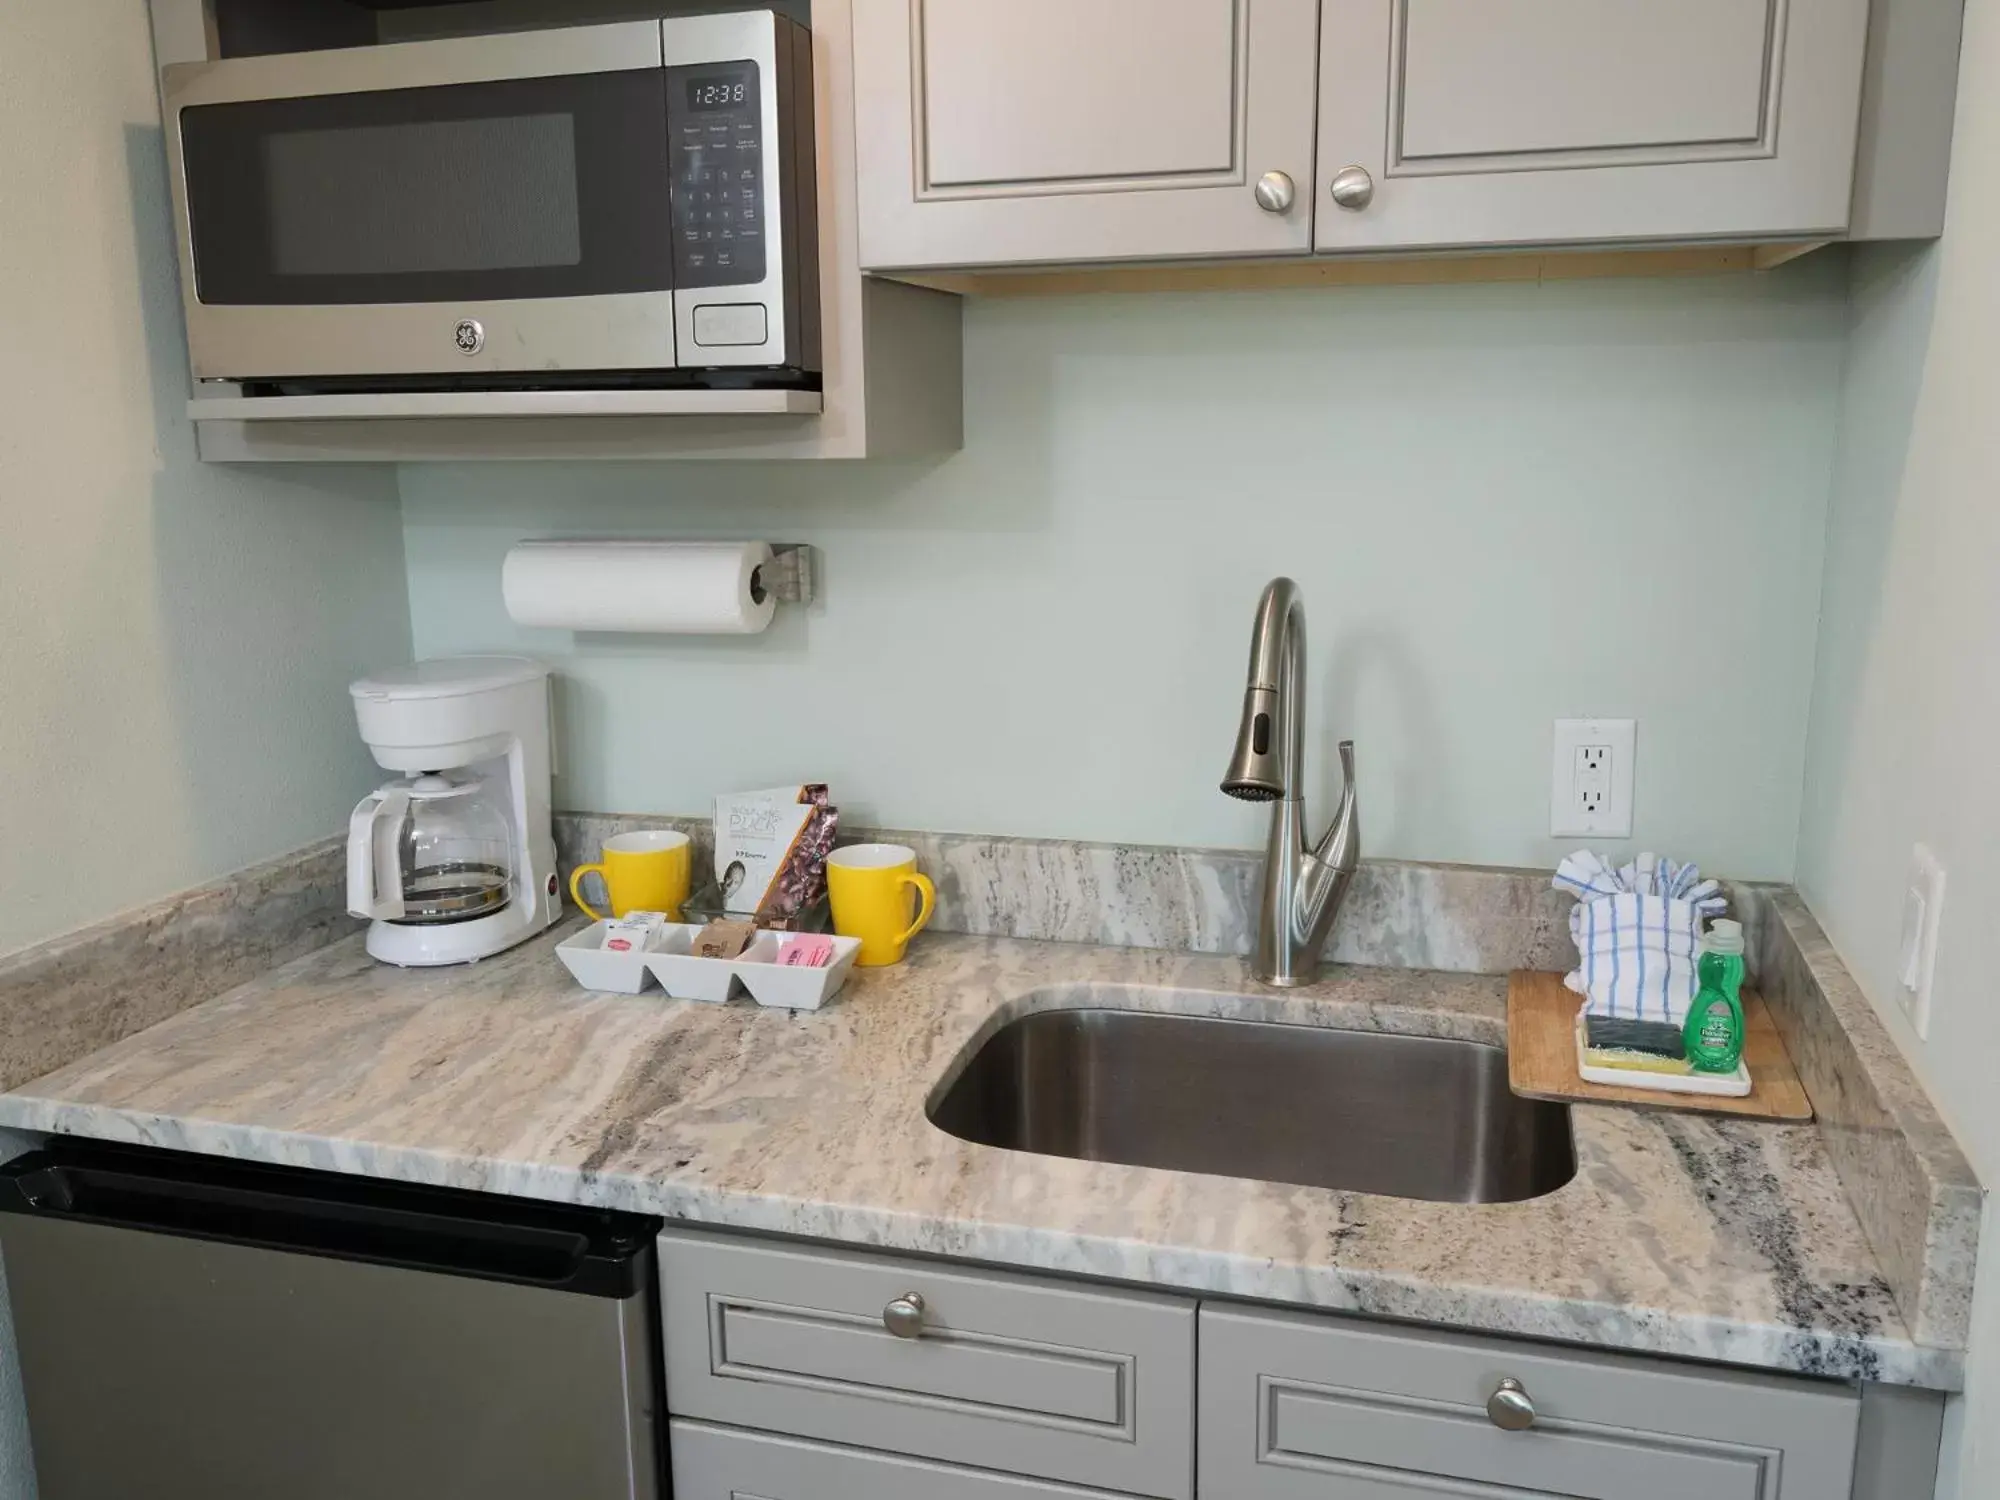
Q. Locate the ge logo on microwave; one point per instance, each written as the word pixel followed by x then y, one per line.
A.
pixel 469 336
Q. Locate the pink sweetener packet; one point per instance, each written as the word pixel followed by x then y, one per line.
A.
pixel 806 950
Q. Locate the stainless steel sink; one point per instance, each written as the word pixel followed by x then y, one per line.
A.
pixel 1407 1116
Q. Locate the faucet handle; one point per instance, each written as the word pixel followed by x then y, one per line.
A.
pixel 1341 847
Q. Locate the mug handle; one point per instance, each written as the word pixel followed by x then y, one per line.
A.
pixel 926 904
pixel 576 889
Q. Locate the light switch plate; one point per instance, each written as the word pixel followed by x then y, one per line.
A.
pixel 1923 904
pixel 1590 787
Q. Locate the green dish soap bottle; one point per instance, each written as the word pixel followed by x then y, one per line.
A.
pixel 1713 1034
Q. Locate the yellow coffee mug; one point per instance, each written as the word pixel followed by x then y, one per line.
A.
pixel 870 885
pixel 643 871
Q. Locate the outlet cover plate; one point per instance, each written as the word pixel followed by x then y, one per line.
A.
pixel 1590 787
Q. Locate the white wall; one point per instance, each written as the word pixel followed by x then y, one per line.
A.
pixel 1906 705
pixel 174 638
pixel 1505 504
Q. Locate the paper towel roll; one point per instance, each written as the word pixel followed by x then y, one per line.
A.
pixel 692 588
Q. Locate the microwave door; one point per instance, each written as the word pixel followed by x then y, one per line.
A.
pixel 473 209
pixel 739 118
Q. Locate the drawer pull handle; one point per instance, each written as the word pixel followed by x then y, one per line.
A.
pixel 1509 1406
pixel 904 1316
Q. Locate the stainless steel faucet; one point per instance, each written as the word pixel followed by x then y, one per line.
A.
pixel 1303 888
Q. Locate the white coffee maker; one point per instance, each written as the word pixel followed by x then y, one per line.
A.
pixel 456 860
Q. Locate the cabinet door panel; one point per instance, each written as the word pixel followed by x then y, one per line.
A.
pixel 1141 90
pixel 1065 131
pixel 1498 122
pixel 1493 77
pixel 1296 1407
pixel 1348 1435
pixel 1010 1372
pixel 717 1463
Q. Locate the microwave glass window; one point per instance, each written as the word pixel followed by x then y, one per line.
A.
pixel 519 188
pixel 497 194
pixel 716 126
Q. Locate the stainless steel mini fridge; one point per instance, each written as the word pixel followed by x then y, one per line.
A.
pixel 201 1329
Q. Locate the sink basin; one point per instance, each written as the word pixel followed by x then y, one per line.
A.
pixel 1363 1111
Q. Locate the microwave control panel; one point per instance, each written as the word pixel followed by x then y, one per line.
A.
pixel 715 125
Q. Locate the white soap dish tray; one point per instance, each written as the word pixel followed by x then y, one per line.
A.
pixel 713 981
pixel 1728 1085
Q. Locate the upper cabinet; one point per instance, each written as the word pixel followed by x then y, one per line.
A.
pixel 1074 130
pixel 1492 122
pixel 1052 132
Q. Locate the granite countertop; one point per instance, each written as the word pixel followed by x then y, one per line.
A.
pixel 1680 1234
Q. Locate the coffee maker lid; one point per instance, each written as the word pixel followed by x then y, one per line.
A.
pixel 450 677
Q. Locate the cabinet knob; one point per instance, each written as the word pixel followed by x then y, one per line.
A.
pixel 1353 188
pixel 1509 1406
pixel 1275 192
pixel 904 1316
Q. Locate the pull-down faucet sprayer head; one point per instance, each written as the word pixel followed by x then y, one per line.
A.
pixel 1259 770
pixel 1254 774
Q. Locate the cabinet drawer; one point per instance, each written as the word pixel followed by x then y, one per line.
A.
pixel 716 1463
pixel 1032 1377
pixel 1317 1409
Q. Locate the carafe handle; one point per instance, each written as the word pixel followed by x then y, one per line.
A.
pixel 374 873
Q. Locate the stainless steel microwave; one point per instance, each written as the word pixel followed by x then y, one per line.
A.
pixel 592 207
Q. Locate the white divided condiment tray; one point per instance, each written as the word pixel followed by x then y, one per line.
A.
pixel 712 980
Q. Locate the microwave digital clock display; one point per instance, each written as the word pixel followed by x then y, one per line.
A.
pixel 717 91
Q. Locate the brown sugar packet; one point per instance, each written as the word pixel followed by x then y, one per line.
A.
pixel 723 938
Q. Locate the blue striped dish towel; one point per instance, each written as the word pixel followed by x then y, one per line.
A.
pixel 1637 932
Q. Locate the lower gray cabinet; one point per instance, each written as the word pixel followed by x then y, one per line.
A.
pixel 716 1463
pixel 980 1368
pixel 808 1372
pixel 1303 1408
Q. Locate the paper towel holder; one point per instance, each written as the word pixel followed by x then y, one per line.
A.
pixel 637 585
pixel 788 577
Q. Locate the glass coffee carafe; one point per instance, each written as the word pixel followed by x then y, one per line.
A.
pixel 455 850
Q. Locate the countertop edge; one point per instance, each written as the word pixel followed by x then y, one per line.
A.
pixel 1608 1326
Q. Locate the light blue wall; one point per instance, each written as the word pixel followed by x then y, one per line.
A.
pixel 1906 708
pixel 1505 503
pixel 175 638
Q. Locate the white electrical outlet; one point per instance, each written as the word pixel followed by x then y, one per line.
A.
pixel 1590 794
pixel 1923 903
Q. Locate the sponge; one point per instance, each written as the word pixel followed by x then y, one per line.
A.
pixel 1630 1060
pixel 1662 1038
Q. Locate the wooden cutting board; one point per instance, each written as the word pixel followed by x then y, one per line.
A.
pixel 1541 1057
